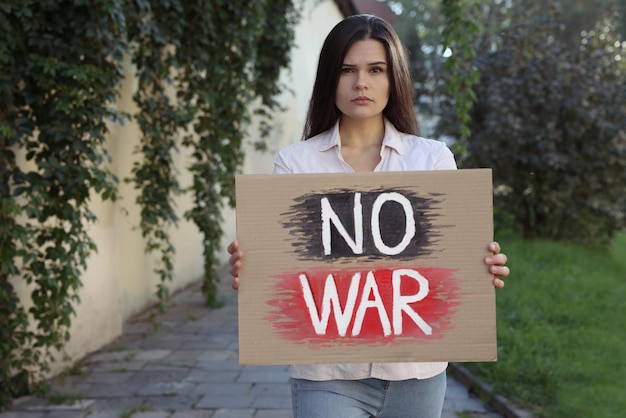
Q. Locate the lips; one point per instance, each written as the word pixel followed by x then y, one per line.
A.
pixel 361 99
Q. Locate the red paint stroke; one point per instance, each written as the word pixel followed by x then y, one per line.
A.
pixel 291 319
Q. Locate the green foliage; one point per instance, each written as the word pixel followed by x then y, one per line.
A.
pixel 460 29
pixel 576 15
pixel 154 29
pixel 440 36
pixel 561 328
pixel 253 55
pixel 197 83
pixel 58 76
pixel 200 65
pixel 551 122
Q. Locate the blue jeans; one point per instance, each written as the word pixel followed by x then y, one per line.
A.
pixel 369 398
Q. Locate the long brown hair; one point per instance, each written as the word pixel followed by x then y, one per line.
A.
pixel 323 113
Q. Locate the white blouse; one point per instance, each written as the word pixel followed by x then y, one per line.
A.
pixel 399 152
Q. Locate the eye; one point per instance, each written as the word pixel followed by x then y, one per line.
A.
pixel 346 70
pixel 377 70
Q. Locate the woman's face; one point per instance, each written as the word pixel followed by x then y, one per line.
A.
pixel 363 88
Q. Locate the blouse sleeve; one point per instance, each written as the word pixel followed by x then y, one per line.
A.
pixel 445 159
pixel 281 166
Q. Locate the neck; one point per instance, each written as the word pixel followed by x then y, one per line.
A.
pixel 361 133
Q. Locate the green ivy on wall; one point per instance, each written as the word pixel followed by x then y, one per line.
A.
pixel 180 47
pixel 59 71
pixel 201 66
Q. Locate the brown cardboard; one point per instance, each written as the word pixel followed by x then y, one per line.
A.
pixel 433 274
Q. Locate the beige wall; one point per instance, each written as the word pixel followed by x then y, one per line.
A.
pixel 119 281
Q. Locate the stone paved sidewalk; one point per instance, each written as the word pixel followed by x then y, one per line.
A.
pixel 183 364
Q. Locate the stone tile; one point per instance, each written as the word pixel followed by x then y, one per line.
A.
pixel 151 355
pixel 220 401
pixel 194 413
pixel 118 366
pixel 26 403
pixel 230 364
pixel 137 328
pixel 183 356
pixel 105 414
pixel 151 414
pixel 22 414
pixel 131 341
pixel 167 341
pixel 274 413
pixel 234 413
pixel 110 356
pixel 272 401
pixel 223 389
pixel 214 355
pixel 106 390
pixel 269 375
pixel 459 399
pixel 199 375
pixel 80 405
pixel 108 377
pixel 64 414
pixel 271 389
pixel 70 393
pixel 210 343
pixel 167 388
pixel 116 405
pixel 161 366
pixel 170 375
pixel 171 403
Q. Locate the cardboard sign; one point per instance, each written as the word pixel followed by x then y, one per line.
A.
pixel 365 267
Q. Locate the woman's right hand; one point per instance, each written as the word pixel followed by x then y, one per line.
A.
pixel 235 262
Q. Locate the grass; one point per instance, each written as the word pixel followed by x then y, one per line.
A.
pixel 562 329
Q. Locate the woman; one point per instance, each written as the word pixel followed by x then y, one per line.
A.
pixel 361 118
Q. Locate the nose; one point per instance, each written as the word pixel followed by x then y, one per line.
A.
pixel 360 82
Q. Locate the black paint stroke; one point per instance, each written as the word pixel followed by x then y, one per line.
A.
pixel 304 222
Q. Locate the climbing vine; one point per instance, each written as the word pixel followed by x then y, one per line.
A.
pixel 58 77
pixel 154 29
pixel 249 61
pixel 203 69
pixel 180 47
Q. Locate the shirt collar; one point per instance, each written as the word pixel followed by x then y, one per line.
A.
pixel 392 138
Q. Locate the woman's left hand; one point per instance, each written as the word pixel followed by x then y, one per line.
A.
pixel 496 263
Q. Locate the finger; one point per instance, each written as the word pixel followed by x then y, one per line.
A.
pixel 235 283
pixel 496 259
pixel 498 283
pixel 236 256
pixel 494 247
pixel 233 247
pixel 234 269
pixel 499 271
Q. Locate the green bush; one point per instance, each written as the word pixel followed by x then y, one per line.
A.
pixel 551 123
